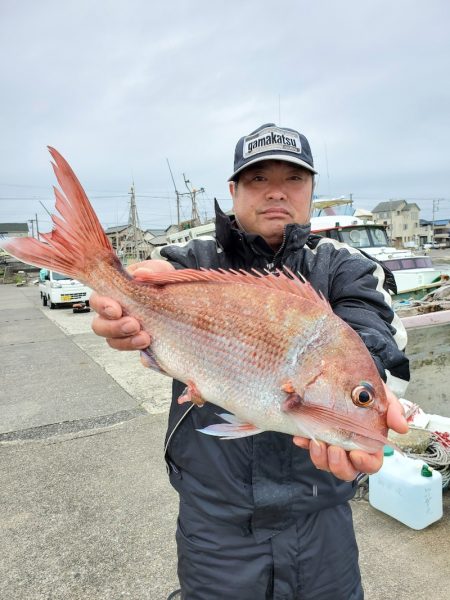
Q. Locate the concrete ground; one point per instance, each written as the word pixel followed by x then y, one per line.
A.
pixel 86 511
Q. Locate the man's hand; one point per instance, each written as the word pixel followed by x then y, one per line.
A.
pixel 347 465
pixel 123 332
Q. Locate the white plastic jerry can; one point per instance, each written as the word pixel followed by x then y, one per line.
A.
pixel 407 490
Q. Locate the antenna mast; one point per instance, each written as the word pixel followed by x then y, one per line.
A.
pixel 195 217
pixel 192 193
pixel 177 194
pixel 134 243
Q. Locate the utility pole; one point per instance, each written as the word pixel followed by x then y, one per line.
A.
pixel 435 209
pixel 37 226
pixel 390 214
pixel 177 194
pixel 134 238
pixel 32 226
pixel 195 217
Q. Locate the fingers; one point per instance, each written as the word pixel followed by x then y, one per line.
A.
pixel 139 341
pixel 365 462
pixel 301 442
pixel 106 307
pixel 121 333
pixel 145 268
pixel 395 417
pixel 333 459
pixel 329 458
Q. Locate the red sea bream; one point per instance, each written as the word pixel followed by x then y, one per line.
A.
pixel 266 348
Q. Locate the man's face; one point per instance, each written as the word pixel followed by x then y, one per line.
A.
pixel 269 195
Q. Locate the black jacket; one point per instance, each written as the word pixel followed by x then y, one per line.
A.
pixel 263 482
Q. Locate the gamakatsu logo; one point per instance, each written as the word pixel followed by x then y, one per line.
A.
pixel 274 139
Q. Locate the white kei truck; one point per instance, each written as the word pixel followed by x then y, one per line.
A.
pixel 57 289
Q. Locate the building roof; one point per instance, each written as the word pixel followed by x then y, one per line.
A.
pixel 388 206
pixel 116 229
pixel 158 240
pixel 155 232
pixel 395 205
pixel 13 227
pixel 436 221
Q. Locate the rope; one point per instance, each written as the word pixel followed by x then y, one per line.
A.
pixel 437 455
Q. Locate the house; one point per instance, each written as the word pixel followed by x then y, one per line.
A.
pixel 158 237
pixel 402 221
pixel 441 232
pixel 425 232
pixel 117 235
pixel 128 242
pixel 13 230
pixel 184 235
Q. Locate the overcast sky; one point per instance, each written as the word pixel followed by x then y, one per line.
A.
pixel 119 87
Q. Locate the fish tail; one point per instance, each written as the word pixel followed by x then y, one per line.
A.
pixel 77 241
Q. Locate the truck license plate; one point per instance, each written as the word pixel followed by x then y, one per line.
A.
pixel 66 298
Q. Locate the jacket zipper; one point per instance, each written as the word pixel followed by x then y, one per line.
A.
pixel 270 266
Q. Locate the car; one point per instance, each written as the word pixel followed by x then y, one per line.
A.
pixel 57 289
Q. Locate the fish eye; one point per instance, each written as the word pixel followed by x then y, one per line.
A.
pixel 363 394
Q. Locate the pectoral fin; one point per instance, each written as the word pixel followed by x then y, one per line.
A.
pixel 234 429
pixel 191 394
pixel 294 404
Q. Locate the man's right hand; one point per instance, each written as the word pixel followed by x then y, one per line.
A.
pixel 124 332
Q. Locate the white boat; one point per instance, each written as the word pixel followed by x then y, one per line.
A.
pixel 414 273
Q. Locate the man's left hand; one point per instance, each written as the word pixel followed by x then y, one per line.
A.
pixel 346 465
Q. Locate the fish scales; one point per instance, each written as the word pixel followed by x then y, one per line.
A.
pixel 254 348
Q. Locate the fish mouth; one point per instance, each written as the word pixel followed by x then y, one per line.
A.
pixel 324 424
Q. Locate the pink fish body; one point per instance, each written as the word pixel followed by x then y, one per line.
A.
pixel 268 349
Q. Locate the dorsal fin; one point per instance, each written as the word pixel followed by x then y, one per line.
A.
pixel 277 280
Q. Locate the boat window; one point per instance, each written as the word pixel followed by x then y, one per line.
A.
pixel 423 262
pixel 393 265
pixel 408 263
pixel 356 237
pixel 332 233
pixel 379 237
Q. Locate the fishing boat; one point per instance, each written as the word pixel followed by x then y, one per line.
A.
pixel 414 273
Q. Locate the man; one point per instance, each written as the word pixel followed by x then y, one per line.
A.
pixel 259 516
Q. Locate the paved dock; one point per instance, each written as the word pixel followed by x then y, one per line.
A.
pixel 86 511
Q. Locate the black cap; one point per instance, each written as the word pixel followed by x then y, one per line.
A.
pixel 270 142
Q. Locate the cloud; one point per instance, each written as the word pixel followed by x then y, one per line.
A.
pixel 119 87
